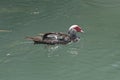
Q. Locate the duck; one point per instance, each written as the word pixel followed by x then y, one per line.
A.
pixel 52 38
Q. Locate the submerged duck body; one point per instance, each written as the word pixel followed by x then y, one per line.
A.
pixel 53 38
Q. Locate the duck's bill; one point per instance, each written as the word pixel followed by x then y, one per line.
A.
pixel 82 31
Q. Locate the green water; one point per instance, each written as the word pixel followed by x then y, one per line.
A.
pixel 95 57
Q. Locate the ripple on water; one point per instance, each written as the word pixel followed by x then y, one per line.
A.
pixel 73 51
pixel 116 65
pixel 52 50
pixel 102 3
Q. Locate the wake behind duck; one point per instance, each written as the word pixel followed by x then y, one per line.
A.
pixel 52 38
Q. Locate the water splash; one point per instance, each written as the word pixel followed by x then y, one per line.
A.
pixel 73 51
pixel 52 50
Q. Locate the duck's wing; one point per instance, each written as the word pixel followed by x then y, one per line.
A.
pixel 51 35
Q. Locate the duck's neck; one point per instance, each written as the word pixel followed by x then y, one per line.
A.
pixel 72 34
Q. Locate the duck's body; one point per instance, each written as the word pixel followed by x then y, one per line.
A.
pixel 53 38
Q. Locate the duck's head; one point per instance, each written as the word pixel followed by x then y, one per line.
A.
pixel 76 28
pixel 72 32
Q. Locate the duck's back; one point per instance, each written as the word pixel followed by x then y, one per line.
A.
pixel 56 37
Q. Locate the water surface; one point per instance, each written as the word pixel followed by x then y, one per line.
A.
pixel 95 57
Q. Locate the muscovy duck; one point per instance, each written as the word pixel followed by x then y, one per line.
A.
pixel 53 38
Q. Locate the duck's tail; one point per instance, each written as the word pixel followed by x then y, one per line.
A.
pixel 29 38
pixel 34 38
